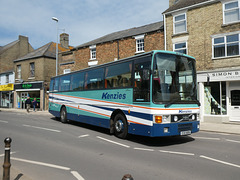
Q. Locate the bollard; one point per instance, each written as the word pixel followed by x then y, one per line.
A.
pixel 7 164
pixel 127 177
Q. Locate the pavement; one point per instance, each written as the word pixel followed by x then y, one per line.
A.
pixel 228 128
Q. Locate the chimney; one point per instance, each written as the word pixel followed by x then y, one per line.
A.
pixel 64 40
pixel 23 45
pixel 172 2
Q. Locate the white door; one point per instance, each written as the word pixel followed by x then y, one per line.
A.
pixel 24 96
pixel 235 105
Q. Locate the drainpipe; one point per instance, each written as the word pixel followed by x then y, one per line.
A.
pixel 118 49
pixel 165 34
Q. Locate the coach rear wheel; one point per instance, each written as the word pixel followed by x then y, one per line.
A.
pixel 120 126
pixel 63 115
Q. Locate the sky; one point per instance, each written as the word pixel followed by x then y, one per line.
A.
pixel 83 20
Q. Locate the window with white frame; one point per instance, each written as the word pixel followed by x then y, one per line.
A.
pixel 92 52
pixel 180 23
pixel 32 69
pixel 231 12
pixel 7 78
pixel 139 43
pixel 180 47
pixel 19 72
pixel 227 45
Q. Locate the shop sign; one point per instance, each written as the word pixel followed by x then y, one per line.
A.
pixel 7 87
pixel 226 75
pixel 28 85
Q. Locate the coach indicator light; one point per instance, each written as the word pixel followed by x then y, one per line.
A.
pixel 158 119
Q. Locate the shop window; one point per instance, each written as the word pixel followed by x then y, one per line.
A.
pixel 215 98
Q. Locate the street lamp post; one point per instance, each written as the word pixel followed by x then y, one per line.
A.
pixel 56 19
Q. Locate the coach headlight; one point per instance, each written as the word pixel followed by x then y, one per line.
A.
pixel 162 119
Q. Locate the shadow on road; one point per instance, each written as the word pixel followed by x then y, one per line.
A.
pixel 160 141
pixel 148 141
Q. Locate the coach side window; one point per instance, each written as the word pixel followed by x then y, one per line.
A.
pixel 77 81
pixel 94 79
pixel 51 85
pixel 118 75
pixel 65 83
pixel 56 85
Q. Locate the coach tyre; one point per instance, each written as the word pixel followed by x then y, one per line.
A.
pixel 120 126
pixel 63 115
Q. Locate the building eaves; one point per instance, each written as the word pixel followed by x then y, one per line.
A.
pixel 124 34
pixel 7 72
pixel 187 4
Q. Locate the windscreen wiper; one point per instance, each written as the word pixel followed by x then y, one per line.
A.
pixel 172 102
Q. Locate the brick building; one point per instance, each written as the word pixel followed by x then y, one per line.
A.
pixel 209 30
pixel 113 46
pixel 8 53
pixel 34 71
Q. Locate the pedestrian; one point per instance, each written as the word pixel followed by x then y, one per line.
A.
pixel 28 103
pixel 35 104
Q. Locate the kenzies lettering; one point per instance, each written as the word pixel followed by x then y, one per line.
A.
pixel 113 96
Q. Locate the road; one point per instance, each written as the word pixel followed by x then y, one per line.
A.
pixel 44 148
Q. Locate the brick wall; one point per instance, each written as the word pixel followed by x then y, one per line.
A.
pixel 109 51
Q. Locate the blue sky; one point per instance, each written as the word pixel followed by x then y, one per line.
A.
pixel 83 20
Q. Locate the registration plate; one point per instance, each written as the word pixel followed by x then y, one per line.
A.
pixel 182 133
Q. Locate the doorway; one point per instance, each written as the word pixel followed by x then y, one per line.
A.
pixel 235 105
pixel 23 98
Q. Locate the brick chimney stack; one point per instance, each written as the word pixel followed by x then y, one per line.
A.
pixel 172 2
pixel 64 40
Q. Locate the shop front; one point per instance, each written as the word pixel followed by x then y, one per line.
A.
pixel 6 95
pixel 31 89
pixel 219 95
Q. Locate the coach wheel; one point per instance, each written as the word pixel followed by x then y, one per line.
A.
pixel 120 126
pixel 63 115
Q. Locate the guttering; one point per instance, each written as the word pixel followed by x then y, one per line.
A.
pixel 165 32
pixel 192 6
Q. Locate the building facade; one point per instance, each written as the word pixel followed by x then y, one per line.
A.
pixel 33 73
pixel 113 46
pixel 8 53
pixel 6 89
pixel 209 30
